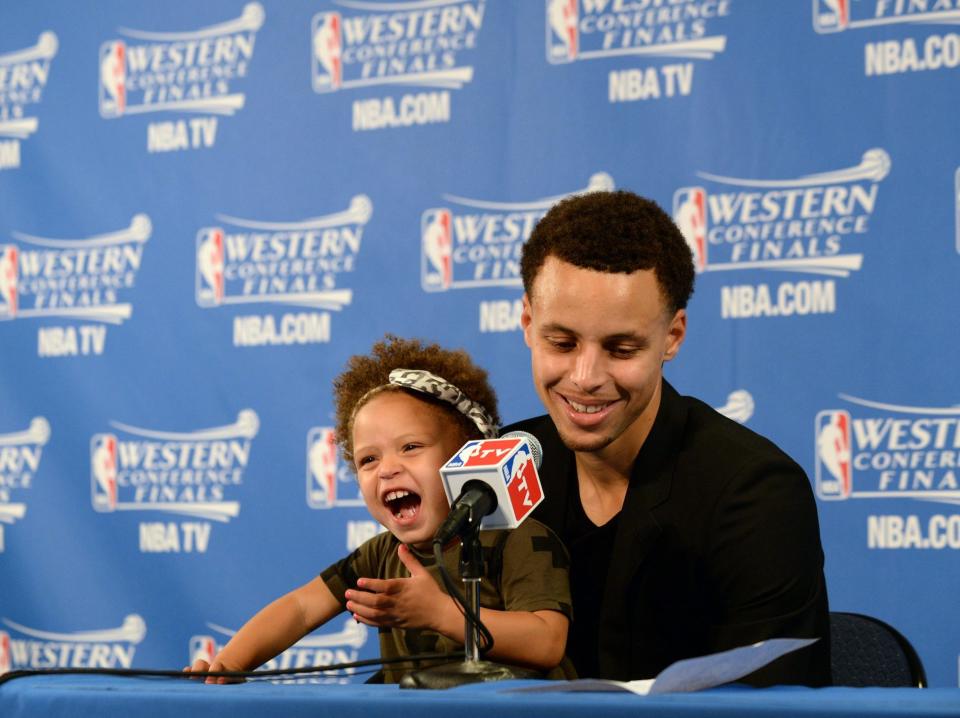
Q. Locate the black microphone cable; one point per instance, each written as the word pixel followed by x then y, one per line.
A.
pixel 486 638
pixel 191 675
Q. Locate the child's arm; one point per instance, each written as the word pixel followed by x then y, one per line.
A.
pixel 527 638
pixel 273 629
pixel 530 638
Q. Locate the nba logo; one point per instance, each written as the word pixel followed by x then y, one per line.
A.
pixel 103 470
pixel 202 647
pixel 210 267
pixel 8 281
pixel 834 471
pixel 321 468
pixel 113 78
pixel 523 483
pixel 5 662
pixel 328 476
pixel 831 15
pixel 484 453
pixel 690 216
pixel 327 52
pixel 563 35
pixel 437 239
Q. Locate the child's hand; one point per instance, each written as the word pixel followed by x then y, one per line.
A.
pixel 201 666
pixel 415 602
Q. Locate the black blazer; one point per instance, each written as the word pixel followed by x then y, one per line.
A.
pixel 717 546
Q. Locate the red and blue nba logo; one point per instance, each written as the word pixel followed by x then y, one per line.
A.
pixel 690 216
pixel 523 483
pixel 6 662
pixel 103 470
pixel 210 262
pixel 321 468
pixel 113 78
pixel 436 232
pixel 831 15
pixel 327 52
pixel 329 480
pixel 9 273
pixel 202 647
pixel 563 34
pixel 834 477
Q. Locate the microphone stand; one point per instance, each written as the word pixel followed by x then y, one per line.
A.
pixel 472 669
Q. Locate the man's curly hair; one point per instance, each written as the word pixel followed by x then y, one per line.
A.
pixel 613 232
pixel 366 372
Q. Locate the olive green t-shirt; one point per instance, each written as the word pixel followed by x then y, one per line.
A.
pixel 525 569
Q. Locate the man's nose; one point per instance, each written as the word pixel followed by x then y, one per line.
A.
pixel 588 368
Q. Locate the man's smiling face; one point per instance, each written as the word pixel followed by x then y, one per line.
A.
pixel 598 341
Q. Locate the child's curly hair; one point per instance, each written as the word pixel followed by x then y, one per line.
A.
pixel 366 372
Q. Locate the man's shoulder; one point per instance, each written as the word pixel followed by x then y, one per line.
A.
pixel 706 430
pixel 733 456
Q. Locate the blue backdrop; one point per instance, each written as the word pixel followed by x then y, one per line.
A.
pixel 206 208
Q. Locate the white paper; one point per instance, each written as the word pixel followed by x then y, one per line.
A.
pixel 691 674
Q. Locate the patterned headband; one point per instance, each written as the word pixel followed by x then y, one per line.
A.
pixel 433 385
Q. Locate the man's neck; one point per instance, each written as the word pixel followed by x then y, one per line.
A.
pixel 604 475
pixel 602 490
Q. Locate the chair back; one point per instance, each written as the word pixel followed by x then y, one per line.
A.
pixel 865 651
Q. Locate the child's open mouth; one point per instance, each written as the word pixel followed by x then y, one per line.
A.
pixel 403 504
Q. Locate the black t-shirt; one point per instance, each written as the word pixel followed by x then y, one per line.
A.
pixel 590 547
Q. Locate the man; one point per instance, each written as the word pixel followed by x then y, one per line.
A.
pixel 688 533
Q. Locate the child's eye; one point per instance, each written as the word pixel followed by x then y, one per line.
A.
pixel 411 446
pixel 365 460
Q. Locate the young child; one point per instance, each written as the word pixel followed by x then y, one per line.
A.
pixel 402 411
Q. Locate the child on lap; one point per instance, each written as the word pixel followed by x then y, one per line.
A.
pixel 402 411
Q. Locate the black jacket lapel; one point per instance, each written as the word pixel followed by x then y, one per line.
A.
pixel 638 530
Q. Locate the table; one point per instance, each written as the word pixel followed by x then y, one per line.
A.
pixel 96 696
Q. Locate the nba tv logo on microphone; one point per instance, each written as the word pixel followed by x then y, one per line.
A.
pixel 505 465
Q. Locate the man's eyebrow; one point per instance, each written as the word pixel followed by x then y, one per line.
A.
pixel 555 327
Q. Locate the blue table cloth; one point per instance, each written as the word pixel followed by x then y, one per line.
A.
pixel 108 696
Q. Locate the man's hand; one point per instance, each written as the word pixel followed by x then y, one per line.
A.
pixel 415 602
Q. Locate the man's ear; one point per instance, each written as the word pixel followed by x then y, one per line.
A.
pixel 526 320
pixel 676 333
